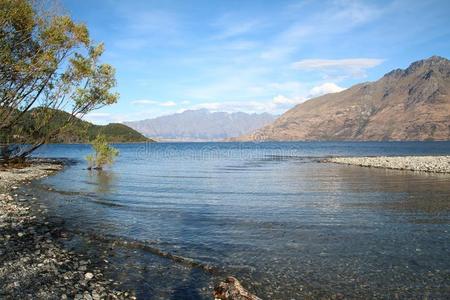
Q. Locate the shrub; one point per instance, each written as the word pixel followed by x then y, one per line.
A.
pixel 104 154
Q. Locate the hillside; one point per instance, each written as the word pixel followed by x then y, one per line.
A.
pixel 410 104
pixel 201 125
pixel 117 133
pixel 81 132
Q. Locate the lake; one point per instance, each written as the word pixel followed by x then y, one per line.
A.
pixel 287 226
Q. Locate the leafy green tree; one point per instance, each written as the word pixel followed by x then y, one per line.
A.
pixel 104 154
pixel 47 62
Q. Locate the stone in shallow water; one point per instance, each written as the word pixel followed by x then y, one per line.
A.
pixel 231 289
pixel 88 276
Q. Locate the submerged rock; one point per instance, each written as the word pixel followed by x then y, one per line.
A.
pixel 88 276
pixel 231 289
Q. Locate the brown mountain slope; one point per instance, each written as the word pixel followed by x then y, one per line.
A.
pixel 411 104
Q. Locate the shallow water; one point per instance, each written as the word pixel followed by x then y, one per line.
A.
pixel 269 213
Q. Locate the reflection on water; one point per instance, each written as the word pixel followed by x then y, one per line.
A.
pixel 103 180
pixel 287 226
pixel 419 192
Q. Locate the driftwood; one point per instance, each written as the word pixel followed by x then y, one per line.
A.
pixel 231 289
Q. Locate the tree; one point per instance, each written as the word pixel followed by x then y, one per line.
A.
pixel 47 63
pixel 104 154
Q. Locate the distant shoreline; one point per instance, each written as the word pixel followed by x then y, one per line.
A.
pixel 87 143
pixel 253 142
pixel 432 164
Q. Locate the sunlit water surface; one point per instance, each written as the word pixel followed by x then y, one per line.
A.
pixel 287 226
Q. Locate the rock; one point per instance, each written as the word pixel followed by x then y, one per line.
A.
pixel 436 164
pixel 87 296
pixel 88 276
pixel 231 289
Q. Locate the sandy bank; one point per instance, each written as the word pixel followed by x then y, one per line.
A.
pixel 33 261
pixel 434 164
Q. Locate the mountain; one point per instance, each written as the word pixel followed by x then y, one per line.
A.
pixel 80 132
pixel 201 125
pixel 117 133
pixel 410 104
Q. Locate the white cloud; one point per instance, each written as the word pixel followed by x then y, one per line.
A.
pixel 143 102
pixel 235 106
pixel 325 88
pixel 338 69
pixel 281 100
pixel 168 104
pixel 153 102
pixel 350 63
pixel 277 105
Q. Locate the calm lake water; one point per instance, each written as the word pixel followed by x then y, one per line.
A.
pixel 287 226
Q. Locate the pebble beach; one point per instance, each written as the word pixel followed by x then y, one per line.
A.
pixel 433 164
pixel 34 264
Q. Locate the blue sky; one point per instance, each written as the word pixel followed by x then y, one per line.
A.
pixel 253 56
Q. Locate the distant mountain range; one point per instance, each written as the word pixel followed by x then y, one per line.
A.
pixel 201 125
pixel 410 104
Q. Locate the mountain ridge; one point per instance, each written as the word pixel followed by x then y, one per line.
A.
pixel 201 125
pixel 80 132
pixel 404 104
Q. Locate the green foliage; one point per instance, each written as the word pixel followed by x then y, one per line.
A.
pixel 79 132
pixel 118 133
pixel 104 154
pixel 47 61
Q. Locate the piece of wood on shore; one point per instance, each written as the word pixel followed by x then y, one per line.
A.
pixel 231 289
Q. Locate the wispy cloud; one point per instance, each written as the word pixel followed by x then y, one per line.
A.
pixel 168 104
pixel 276 105
pixel 264 58
pixel 232 25
pixel 351 63
pixel 142 29
pixel 153 102
pixel 355 67
pixel 143 102
pixel 337 17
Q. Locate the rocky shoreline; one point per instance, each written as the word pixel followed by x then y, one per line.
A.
pixel 34 264
pixel 433 164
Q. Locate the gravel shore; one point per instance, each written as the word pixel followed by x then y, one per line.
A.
pixel 434 164
pixel 34 264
